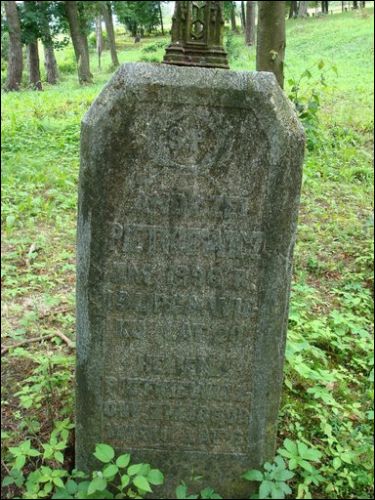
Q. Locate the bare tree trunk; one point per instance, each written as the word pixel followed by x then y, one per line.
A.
pixel 99 39
pixel 271 38
pixel 233 20
pixel 15 62
pixel 342 6
pixel 250 23
pixel 243 16
pixel 325 7
pixel 293 11
pixel 50 64
pixel 34 67
pixel 80 44
pixel 355 5
pixel 302 9
pixel 108 20
pixel 363 5
pixel 161 18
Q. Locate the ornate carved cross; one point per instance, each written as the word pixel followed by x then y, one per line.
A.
pixel 197 35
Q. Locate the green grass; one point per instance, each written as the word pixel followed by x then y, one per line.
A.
pixel 328 394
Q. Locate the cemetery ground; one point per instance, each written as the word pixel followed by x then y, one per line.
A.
pixel 326 417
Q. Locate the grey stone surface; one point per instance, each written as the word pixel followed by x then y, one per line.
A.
pixel 189 191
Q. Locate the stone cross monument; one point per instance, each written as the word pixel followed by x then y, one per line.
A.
pixel 188 198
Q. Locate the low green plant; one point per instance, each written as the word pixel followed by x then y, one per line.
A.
pixel 116 478
pixel 205 493
pixel 273 480
pixel 305 92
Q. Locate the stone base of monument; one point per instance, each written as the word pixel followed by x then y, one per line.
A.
pixel 189 192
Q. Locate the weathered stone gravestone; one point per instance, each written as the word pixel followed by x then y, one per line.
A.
pixel 189 192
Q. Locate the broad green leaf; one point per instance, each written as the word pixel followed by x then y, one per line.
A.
pixel 265 489
pixel 277 492
pixel 7 481
pixel 20 462
pixel 306 465
pixel 336 463
pixel 110 471
pixel 142 483
pixel 59 457
pixel 33 453
pixel 293 464
pixel 181 491
pixel 125 479
pixel 286 489
pixel 104 453
pixel 284 475
pixel 123 460
pixel 97 484
pixel 58 482
pixel 290 446
pixel 253 475
pixel 135 469
pixel 155 476
pixel 308 453
pixel 71 487
pixel 25 446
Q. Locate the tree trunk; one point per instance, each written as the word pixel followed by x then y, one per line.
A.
pixel 15 62
pixel 325 7
pixel 250 23
pixel 293 11
pixel 50 64
pixel 342 6
pixel 363 5
pixel 108 20
pixel 271 38
pixel 99 39
pixel 80 44
pixel 243 16
pixel 34 68
pixel 302 9
pixel 233 20
pixel 355 5
pixel 161 18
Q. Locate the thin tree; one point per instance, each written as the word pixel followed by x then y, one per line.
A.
pixel 325 7
pixel 50 62
pixel 34 65
pixel 161 18
pixel 355 5
pixel 303 9
pixel 250 23
pixel 99 39
pixel 106 10
pixel 15 63
pixel 79 39
pixel 271 38
pixel 363 5
pixel 233 19
pixel 293 11
pixel 243 15
pixel 31 33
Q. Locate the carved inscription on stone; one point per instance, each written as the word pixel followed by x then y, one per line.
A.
pixel 179 300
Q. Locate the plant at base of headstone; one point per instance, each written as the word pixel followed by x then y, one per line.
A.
pixel 205 493
pixel 273 480
pixel 48 481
